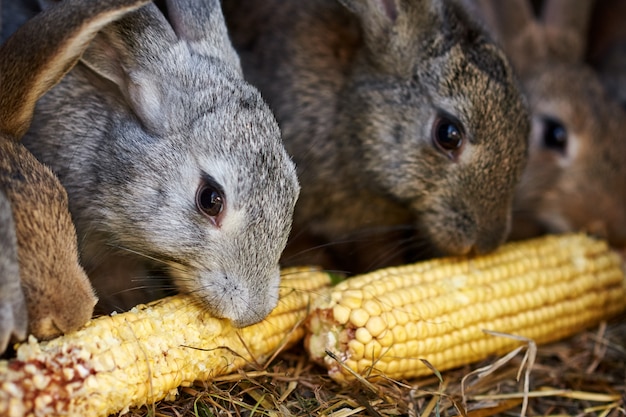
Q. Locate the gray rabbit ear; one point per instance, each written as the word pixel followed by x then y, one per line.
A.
pixel 122 51
pixel 201 22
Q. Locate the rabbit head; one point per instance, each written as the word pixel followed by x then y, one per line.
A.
pixel 175 161
pixel 400 115
pixel 433 107
pixel 575 175
pixel 38 256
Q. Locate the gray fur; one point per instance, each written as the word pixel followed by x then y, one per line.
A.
pixel 356 93
pixel 153 106
pixel 13 317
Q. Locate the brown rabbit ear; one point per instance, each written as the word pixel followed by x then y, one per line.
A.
pixel 509 18
pixel 376 15
pixel 392 28
pixel 607 31
pixel 68 29
pixel 516 28
pixel 566 25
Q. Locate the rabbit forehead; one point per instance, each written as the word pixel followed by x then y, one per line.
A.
pixel 489 103
pixel 257 181
pixel 195 89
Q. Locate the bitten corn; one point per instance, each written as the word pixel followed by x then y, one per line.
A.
pixel 386 321
pixel 142 356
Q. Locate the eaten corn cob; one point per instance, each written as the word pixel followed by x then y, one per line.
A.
pixel 142 356
pixel 386 321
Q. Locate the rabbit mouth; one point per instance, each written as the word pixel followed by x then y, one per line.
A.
pixel 227 296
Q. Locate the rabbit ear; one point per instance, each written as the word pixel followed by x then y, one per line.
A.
pixel 391 28
pixel 201 22
pixel 508 18
pixel 517 29
pixel 568 21
pixel 122 50
pixel 376 15
pixel 53 42
pixel 130 43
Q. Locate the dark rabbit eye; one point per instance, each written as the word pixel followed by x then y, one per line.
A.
pixel 210 198
pixel 448 134
pixel 554 135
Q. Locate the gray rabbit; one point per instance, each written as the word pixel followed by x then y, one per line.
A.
pixel 172 162
pixel 404 119
pixel 43 289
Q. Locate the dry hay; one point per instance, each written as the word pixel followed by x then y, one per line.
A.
pixel 584 375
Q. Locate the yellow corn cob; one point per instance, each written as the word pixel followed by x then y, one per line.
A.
pixel 142 356
pixel 386 321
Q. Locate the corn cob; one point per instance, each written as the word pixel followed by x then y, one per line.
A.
pixel 142 356
pixel 384 322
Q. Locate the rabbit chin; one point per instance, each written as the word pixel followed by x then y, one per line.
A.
pixel 230 296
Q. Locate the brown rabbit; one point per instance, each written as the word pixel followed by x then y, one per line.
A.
pixel 58 295
pixel 576 172
pixel 403 117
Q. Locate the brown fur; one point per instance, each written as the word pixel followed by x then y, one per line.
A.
pixel 606 51
pixel 355 90
pixel 580 186
pixel 58 295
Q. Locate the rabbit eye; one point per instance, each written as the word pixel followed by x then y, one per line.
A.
pixel 210 199
pixel 554 134
pixel 448 135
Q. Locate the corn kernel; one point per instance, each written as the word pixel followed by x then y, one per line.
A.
pixel 544 289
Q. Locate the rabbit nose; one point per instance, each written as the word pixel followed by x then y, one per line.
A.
pixel 486 244
pixel 603 229
pixel 597 228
